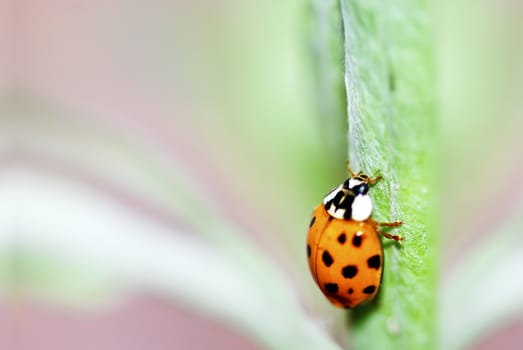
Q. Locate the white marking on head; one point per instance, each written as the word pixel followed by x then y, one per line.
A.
pixel 361 208
pixel 353 183
pixel 332 194
pixel 338 213
pixel 334 211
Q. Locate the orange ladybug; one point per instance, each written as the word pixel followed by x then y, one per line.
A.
pixel 343 245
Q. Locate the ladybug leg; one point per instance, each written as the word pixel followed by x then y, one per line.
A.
pixel 388 235
pixel 376 179
pixel 396 238
pixel 390 224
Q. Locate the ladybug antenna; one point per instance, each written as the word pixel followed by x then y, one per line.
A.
pixel 349 170
pixel 361 176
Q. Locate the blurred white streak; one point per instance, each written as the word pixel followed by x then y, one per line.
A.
pixel 52 217
pixel 485 292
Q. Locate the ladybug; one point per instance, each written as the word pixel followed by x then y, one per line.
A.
pixel 344 248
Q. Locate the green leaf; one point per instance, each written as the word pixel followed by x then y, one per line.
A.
pixel 392 130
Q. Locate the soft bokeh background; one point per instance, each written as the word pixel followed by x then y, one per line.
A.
pixel 160 161
pixel 479 53
pixel 181 121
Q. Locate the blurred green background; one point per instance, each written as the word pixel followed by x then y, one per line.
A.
pixel 161 160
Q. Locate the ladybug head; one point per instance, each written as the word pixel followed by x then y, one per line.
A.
pixel 358 178
pixel 351 199
pixel 357 184
pixel 362 177
pixel 360 189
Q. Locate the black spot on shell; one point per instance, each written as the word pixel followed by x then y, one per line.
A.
pixel 356 240
pixel 342 238
pixel 349 271
pixel 331 288
pixel 308 250
pixel 369 289
pixel 312 221
pixel 327 259
pixel 374 262
pixel 351 290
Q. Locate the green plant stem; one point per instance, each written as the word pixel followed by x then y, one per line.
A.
pixel 392 129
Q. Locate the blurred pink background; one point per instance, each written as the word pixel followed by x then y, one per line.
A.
pixel 77 75
pixel 88 60
pixel 120 97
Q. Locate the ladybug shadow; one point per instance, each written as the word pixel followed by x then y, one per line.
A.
pixel 359 314
pixel 362 312
pixel 389 243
